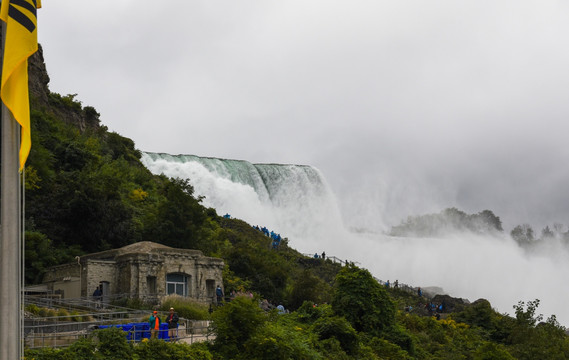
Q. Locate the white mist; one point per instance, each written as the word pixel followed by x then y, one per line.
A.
pixel 297 203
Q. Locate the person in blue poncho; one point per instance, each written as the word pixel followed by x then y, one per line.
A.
pixel 219 294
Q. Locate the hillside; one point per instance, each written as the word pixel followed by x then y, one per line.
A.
pixel 87 191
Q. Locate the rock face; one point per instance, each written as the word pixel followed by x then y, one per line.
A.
pixel 451 304
pixel 38 79
pixel 62 107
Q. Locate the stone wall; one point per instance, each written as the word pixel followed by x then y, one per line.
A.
pixel 97 271
pixel 141 269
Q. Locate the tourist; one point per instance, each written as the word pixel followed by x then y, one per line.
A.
pixel 219 294
pixel 172 325
pixel 154 323
pixel 98 296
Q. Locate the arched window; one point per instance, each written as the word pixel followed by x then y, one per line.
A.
pixel 177 284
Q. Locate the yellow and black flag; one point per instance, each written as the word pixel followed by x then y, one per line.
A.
pixel 21 42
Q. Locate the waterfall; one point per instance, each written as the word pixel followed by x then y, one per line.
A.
pixel 296 201
pixel 292 200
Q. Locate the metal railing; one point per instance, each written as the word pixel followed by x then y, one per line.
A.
pixel 63 334
pixel 401 286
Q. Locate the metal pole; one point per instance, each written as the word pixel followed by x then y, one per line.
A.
pixel 10 328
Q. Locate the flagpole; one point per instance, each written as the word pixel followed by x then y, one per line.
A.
pixel 10 260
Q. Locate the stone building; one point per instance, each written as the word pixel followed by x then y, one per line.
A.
pixel 143 270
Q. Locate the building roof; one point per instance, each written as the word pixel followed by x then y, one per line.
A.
pixel 143 247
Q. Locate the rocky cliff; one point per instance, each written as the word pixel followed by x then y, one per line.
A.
pixel 41 97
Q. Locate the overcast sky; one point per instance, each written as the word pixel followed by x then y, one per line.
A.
pixel 406 107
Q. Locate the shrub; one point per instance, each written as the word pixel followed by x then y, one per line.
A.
pixel 158 350
pixel 234 323
pixel 113 344
pixel 42 312
pixel 362 301
pixel 308 287
pixel 339 328
pixel 186 308
pixel 47 354
pixel 63 314
pixel 33 308
pixel 84 349
pixel 309 312
pixel 491 351
pixel 278 342
pixel 75 316
pixel 386 350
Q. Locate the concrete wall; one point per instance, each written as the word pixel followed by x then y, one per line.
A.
pixel 69 287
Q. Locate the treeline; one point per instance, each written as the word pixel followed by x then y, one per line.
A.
pixel 447 222
pixel 526 237
pixel 451 221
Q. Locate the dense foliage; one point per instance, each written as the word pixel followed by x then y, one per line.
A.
pixel 244 331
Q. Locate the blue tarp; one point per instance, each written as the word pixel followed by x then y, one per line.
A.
pixel 139 331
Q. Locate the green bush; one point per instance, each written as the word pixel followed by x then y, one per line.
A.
pixel 63 314
pixel 113 344
pixel 186 308
pixel 84 349
pixel 308 287
pixel 386 350
pixel 309 312
pixel 48 354
pixel 400 336
pixel 332 349
pixel 234 323
pixel 339 328
pixel 278 342
pixel 75 316
pixel 33 308
pixel 158 350
pixel 491 351
pixel 362 301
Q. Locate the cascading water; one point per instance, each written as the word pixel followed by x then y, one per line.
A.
pixel 293 200
pixel 296 202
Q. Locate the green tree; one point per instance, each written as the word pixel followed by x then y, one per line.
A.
pixel 362 301
pixel 522 234
pixel 547 233
pixel 338 328
pixel 234 324
pixel 179 216
pixel 491 351
pixel 490 221
pixel 113 344
pixel 308 287
pixel 279 341
pixel 533 339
